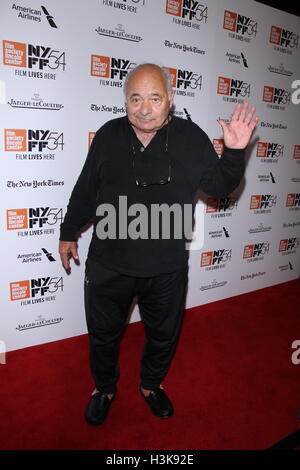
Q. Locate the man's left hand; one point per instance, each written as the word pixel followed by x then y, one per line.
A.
pixel 237 133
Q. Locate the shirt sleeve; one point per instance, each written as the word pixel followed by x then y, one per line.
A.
pixel 82 201
pixel 221 175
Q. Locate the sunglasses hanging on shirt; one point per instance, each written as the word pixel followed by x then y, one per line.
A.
pixel 151 169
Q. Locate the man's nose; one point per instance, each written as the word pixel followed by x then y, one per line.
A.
pixel 145 107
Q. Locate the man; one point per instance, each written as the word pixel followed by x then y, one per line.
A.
pixel 147 158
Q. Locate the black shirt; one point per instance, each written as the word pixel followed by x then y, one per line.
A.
pixel 108 176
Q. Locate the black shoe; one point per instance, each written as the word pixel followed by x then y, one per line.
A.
pixel 159 403
pixel 97 409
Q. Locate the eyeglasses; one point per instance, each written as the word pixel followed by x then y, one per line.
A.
pixel 144 181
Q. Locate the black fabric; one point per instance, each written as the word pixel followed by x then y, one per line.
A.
pixel 108 173
pixel 108 296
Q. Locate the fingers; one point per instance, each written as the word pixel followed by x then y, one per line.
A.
pixel 236 112
pixel 240 114
pixel 223 124
pixel 73 251
pixel 249 116
pixel 65 260
pixel 253 123
pixel 68 250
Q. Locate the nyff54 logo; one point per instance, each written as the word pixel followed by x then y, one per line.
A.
pixel 293 200
pixel 185 79
pixel 283 37
pixel 239 24
pixel 19 54
pixel 30 140
pixel 216 257
pixel 110 67
pixel 276 95
pixel 289 244
pixel 39 217
pixel 263 201
pixel 233 87
pixel 222 204
pixel 34 288
pixel 187 9
pixel 255 250
pixel 269 150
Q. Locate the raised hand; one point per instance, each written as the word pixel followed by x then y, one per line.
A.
pixel 237 133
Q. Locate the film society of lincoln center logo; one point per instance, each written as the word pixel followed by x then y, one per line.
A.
pixel 276 98
pixel 110 70
pixel 283 40
pixel 256 251
pixel 31 141
pixel 289 245
pixel 269 152
pixel 34 220
pixel 189 13
pixel 293 201
pixel 35 61
pixel 31 291
pixel 240 27
pixel 221 207
pixel 262 203
pixel 215 259
pixel 233 90
pixel 296 153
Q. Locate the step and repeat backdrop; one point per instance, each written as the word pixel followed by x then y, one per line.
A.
pixel 63 66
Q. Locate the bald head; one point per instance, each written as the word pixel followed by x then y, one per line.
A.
pixel 150 68
pixel 149 97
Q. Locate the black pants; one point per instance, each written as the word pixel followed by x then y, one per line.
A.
pixel 108 296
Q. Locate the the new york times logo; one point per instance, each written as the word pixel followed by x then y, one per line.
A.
pixel 255 251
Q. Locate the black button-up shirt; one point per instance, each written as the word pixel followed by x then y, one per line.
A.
pixel 109 177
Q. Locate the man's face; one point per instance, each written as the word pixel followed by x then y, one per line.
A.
pixel 148 101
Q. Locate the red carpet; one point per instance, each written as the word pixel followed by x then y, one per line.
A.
pixel 232 383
